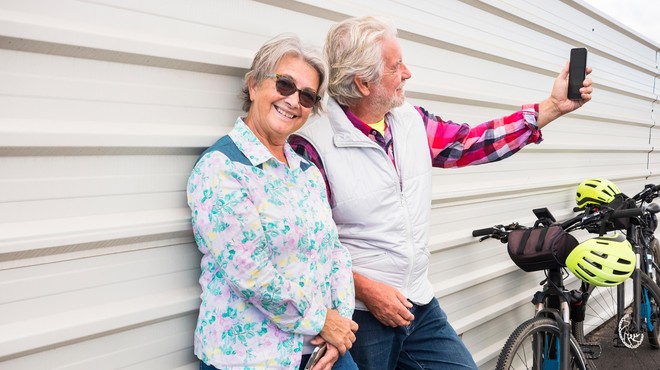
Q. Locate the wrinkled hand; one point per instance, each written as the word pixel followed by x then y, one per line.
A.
pixel 558 103
pixel 386 303
pixel 339 331
pixel 329 358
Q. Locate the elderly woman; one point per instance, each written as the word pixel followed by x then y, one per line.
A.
pixel 275 280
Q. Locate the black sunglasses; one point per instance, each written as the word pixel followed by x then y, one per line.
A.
pixel 285 87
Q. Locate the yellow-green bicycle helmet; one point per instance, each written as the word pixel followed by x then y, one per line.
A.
pixel 595 191
pixel 603 261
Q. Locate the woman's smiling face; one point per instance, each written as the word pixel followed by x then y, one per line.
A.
pixel 273 117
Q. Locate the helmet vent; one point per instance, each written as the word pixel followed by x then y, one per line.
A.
pixel 593 263
pixel 582 269
pixel 581 275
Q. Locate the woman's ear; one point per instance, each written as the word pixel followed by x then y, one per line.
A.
pixel 251 86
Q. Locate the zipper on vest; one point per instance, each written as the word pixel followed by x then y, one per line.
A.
pixel 411 245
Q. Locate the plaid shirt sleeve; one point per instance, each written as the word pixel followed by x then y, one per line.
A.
pixel 456 145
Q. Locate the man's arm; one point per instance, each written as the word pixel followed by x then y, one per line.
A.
pixel 456 145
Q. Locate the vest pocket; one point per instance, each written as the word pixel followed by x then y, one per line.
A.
pixel 367 257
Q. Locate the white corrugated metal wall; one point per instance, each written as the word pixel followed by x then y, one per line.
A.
pixel 105 104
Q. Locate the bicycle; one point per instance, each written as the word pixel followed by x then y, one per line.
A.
pixel 546 341
pixel 642 316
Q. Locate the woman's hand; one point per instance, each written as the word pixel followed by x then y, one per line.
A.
pixel 339 331
pixel 329 358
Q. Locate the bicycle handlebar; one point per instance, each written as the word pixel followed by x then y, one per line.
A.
pixel 484 232
pixel 585 219
pixel 649 193
pixel 627 213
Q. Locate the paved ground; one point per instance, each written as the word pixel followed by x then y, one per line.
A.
pixel 619 358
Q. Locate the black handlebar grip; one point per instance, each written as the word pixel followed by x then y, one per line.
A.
pixel 483 232
pixel 627 213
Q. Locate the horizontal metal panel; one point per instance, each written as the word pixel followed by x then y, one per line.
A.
pixel 157 344
pixel 95 295
pixel 106 104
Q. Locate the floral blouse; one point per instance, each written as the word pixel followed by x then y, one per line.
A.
pixel 272 263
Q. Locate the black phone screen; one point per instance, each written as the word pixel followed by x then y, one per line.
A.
pixel 577 72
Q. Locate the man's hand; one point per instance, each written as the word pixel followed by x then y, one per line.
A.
pixel 339 331
pixel 558 103
pixel 386 303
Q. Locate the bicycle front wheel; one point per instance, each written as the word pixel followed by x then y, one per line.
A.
pixel 602 307
pixel 535 344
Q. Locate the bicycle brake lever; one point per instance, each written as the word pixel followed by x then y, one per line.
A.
pixel 591 216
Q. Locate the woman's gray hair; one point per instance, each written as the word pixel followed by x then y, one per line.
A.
pixel 354 48
pixel 270 54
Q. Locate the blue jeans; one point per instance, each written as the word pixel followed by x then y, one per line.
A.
pixel 429 342
pixel 345 362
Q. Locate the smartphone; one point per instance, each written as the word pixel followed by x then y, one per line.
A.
pixel 544 214
pixel 319 351
pixel 577 72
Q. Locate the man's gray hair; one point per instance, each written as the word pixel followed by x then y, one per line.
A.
pixel 269 55
pixel 354 49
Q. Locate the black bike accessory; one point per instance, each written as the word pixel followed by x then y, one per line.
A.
pixel 540 248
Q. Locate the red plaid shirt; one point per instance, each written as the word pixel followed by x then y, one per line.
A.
pixel 451 144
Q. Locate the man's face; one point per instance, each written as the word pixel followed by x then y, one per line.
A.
pixel 389 92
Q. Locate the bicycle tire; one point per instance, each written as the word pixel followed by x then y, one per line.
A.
pixel 518 352
pixel 602 307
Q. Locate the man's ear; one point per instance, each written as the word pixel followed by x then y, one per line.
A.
pixel 362 85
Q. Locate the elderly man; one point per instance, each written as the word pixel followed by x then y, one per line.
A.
pixel 376 152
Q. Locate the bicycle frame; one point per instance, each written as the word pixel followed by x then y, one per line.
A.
pixel 641 312
pixel 560 310
pixel 640 234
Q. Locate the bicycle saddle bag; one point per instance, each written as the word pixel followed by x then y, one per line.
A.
pixel 540 248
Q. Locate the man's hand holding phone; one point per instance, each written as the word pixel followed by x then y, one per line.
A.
pixel 561 101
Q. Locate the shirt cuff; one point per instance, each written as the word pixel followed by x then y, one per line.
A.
pixel 531 113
